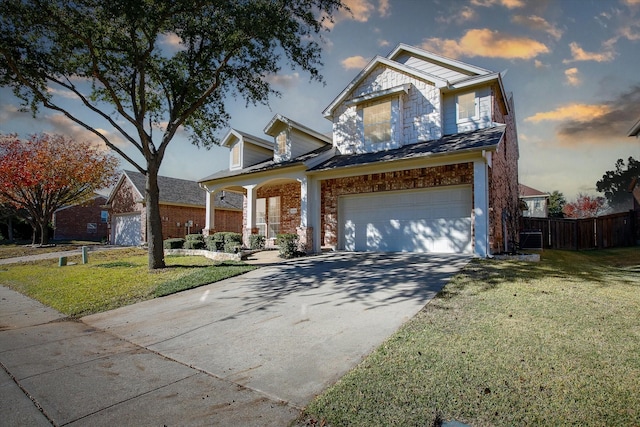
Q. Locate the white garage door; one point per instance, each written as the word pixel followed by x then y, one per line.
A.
pixel 433 220
pixel 126 229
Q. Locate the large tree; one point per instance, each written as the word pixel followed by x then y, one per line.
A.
pixel 615 184
pixel 556 204
pixel 114 57
pixel 47 172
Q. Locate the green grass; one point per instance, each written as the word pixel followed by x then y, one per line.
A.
pixel 111 279
pixel 12 250
pixel 508 344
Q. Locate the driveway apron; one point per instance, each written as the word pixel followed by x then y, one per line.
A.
pixel 250 350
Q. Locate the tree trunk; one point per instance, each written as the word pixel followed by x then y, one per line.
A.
pixel 44 233
pixel 154 221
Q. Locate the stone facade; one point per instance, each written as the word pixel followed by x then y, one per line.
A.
pixel 82 222
pixel 431 177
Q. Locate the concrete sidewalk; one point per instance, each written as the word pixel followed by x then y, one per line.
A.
pixel 251 350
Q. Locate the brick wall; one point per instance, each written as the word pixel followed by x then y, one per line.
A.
pixel 503 182
pixel 331 189
pixel 71 223
pixel 173 215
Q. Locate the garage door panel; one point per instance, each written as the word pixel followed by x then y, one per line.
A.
pixel 126 229
pixel 435 220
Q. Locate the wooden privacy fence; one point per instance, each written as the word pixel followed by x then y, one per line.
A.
pixel 606 231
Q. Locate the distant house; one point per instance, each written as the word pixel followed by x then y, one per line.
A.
pixel 536 201
pixel 182 209
pixel 84 221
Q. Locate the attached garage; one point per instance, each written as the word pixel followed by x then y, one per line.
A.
pixel 429 220
pixel 126 229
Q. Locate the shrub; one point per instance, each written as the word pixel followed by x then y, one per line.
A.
pixel 288 245
pixel 194 241
pixel 176 243
pixel 256 241
pixel 224 241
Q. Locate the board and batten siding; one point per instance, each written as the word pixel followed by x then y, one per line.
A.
pixel 483 96
pixel 433 68
pixel 301 143
pixel 253 154
pixel 418 112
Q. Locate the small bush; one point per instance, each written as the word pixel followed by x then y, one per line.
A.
pixel 288 245
pixel 224 241
pixel 176 243
pixel 194 241
pixel 256 241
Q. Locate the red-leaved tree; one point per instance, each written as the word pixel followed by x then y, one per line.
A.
pixel 585 207
pixel 47 172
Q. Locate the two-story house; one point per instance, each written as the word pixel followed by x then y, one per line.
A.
pixel 423 158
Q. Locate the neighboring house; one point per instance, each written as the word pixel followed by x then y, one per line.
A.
pixel 423 158
pixel 536 201
pixel 84 221
pixel 182 209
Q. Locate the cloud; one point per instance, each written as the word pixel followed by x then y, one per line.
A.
pixel 537 23
pixel 572 76
pixel 631 2
pixel 598 123
pixel 354 62
pixel 487 43
pixel 539 64
pixel 171 42
pixel 286 81
pixel 577 112
pixel 360 9
pixel 60 124
pixel 383 43
pixel 509 4
pixel 460 16
pixel 384 8
pixel 579 54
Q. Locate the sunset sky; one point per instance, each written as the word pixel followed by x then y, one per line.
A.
pixel 572 65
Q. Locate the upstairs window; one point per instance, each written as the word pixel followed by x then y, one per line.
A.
pixel 281 143
pixel 104 217
pixel 235 155
pixel 377 122
pixel 467 107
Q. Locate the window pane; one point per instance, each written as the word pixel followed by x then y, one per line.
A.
pixel 261 211
pixel 281 140
pixel 274 216
pixel 235 155
pixel 377 122
pixel 104 216
pixel 467 106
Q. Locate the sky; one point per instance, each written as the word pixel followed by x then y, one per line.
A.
pixel 573 67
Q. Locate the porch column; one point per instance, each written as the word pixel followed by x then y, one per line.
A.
pixel 210 218
pixel 309 230
pixel 250 214
pixel 481 208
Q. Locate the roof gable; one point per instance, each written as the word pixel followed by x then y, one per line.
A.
pixel 172 190
pixel 279 121
pixel 236 135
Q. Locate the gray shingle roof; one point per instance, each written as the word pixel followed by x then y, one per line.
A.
pixel 475 140
pixel 184 192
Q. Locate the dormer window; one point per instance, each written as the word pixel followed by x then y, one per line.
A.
pixel 281 143
pixel 235 155
pixel 467 107
pixel 377 122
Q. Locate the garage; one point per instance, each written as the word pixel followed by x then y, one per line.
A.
pixel 126 229
pixel 432 220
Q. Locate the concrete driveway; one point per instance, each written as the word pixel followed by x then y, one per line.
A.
pixel 263 344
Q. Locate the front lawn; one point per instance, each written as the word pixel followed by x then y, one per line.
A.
pixel 111 279
pixel 508 344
